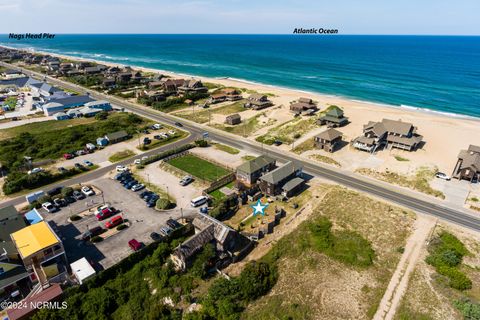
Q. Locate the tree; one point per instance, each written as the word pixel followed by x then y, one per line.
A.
pixel 101 115
pixel 163 204
pixel 67 191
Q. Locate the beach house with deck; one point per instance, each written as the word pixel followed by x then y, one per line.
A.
pixel 388 133
pixel 468 164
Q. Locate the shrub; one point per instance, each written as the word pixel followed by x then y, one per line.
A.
pixel 122 226
pixel 469 309
pixel 201 143
pixel 162 155
pixel 96 239
pixel 67 191
pixel 101 115
pixel 297 135
pixel 75 217
pixel 163 204
pixel 44 198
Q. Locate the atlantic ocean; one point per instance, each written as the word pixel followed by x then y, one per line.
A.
pixel 437 73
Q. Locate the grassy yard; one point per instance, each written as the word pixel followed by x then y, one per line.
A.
pixel 11 102
pixel 199 167
pixel 121 155
pixel 306 145
pixel 420 181
pixel 52 139
pixel 343 255
pixel 202 116
pixel 226 148
pixel 217 194
pixel 44 126
pixel 289 131
pixel 325 159
pixel 248 126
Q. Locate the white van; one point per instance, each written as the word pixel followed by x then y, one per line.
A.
pixel 198 201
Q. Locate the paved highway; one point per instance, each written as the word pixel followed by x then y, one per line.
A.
pixel 393 194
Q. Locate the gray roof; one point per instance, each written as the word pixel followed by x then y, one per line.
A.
pixel 470 158
pixel 195 243
pixel 77 100
pixel 329 135
pixel 11 273
pixel 117 135
pixel 10 222
pixel 277 175
pixel 19 82
pixel 255 164
pixel 221 230
pixel 386 125
pixel 292 184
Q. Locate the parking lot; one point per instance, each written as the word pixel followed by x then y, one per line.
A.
pixel 141 220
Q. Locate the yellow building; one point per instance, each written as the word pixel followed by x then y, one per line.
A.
pixel 41 251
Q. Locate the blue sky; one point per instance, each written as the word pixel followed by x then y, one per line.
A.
pixel 444 17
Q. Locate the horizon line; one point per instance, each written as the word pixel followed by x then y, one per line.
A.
pixel 262 34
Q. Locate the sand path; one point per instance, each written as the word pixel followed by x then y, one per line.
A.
pixel 399 282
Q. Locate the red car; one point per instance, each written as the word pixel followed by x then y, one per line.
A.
pixel 68 156
pixel 135 245
pixel 115 221
pixel 104 213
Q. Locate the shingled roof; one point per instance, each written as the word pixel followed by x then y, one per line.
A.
pixel 277 175
pixel 255 164
pixel 329 135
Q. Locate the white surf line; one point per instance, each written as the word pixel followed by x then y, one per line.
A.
pixel 399 281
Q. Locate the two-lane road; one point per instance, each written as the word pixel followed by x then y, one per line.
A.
pixel 411 200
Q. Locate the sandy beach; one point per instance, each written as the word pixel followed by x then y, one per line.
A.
pixel 444 134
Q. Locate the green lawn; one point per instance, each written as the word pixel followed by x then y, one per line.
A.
pixel 11 102
pixel 217 194
pixel 226 148
pixel 198 167
pixel 44 126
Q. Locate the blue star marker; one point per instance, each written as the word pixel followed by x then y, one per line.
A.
pixel 259 208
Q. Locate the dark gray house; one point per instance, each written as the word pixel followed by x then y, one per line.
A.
pixel 249 172
pixel 328 140
pixel 275 182
pixel 468 164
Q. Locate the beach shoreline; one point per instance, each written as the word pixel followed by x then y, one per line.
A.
pixel 262 87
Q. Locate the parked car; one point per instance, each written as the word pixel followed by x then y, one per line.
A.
pixel 178 124
pixel 144 193
pixel 198 201
pixel 157 136
pixel 157 126
pixel 104 214
pixel 135 245
pixel 60 202
pixel 79 166
pixel 166 230
pixel 68 156
pixel 88 163
pixel 62 170
pixel 147 141
pixel 80 152
pixel 121 168
pixel 78 195
pixel 145 131
pixel 95 231
pixel 155 236
pixel 204 210
pixel 441 175
pixel 138 187
pixel 144 158
pixel 54 191
pixel 277 142
pixel 173 224
pixel 88 191
pixel 186 180
pixel 115 221
pixel 151 204
pixel 69 199
pixel 49 207
pixel 171 132
pixel 137 161
pixel 35 170
pixel 130 184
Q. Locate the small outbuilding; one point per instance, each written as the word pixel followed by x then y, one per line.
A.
pixel 61 116
pixel 233 119
pixel 82 270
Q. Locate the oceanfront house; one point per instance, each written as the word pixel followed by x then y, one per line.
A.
pixel 42 254
pixel 329 140
pixel 118 136
pixel 228 243
pixel 258 101
pixel 170 86
pixel 62 104
pixel 303 105
pixel 152 95
pixel 82 65
pixel 274 182
pixel 232 94
pixel 233 119
pixel 333 118
pixel 250 171
pixel 155 84
pixel 192 86
pixel 468 164
pixel 123 77
pixel 11 74
pixel 388 133
pixel 217 98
